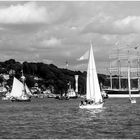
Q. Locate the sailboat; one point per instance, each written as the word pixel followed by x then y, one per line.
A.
pixel 93 93
pixel 132 100
pixel 118 72
pixel 20 92
pixel 71 93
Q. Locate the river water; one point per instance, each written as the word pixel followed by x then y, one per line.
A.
pixel 62 119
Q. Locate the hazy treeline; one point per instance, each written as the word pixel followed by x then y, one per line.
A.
pixel 47 74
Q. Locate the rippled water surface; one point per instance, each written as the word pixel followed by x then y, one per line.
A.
pixel 50 118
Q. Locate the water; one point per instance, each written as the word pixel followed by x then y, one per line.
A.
pixel 56 119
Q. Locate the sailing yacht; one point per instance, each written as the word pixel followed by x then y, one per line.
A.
pixel 132 100
pixel 20 92
pixel 93 93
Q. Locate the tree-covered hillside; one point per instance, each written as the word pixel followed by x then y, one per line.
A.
pixel 46 75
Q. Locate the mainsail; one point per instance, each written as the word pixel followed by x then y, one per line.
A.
pixel 93 89
pixel 18 89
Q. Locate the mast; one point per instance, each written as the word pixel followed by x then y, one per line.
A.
pixel 23 80
pixel 110 76
pixel 138 67
pixel 129 79
pixel 119 68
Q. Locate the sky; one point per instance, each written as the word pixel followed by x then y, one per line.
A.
pixel 56 32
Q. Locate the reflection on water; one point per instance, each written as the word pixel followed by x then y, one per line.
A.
pixel 89 114
pixel 95 111
pixel 50 118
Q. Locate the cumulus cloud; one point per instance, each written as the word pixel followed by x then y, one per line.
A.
pixel 32 12
pixel 130 23
pixel 52 30
pixel 105 25
pixel 27 13
pixel 51 42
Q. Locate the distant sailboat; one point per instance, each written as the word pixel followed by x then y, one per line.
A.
pixel 132 100
pixel 71 93
pixel 93 93
pixel 20 91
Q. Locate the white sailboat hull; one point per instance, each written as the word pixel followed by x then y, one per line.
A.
pixel 91 106
pixel 20 100
pixel 133 101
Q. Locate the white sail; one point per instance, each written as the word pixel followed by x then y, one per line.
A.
pixel 84 57
pixel 27 90
pixel 18 89
pixel 93 89
pixel 71 93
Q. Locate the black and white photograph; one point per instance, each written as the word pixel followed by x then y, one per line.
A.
pixel 69 69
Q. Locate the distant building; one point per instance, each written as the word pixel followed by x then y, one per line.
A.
pixel 37 78
pixel 12 72
pixel 6 76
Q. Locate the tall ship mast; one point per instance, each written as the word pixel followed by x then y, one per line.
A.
pixel 121 59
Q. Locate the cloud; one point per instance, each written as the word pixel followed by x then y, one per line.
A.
pixel 98 24
pixel 51 42
pixel 36 12
pixel 130 23
pixel 108 25
pixel 59 31
pixel 26 13
pixel 47 61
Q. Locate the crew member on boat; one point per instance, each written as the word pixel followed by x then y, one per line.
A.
pixel 86 102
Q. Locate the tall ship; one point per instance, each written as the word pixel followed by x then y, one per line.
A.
pixel 124 72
